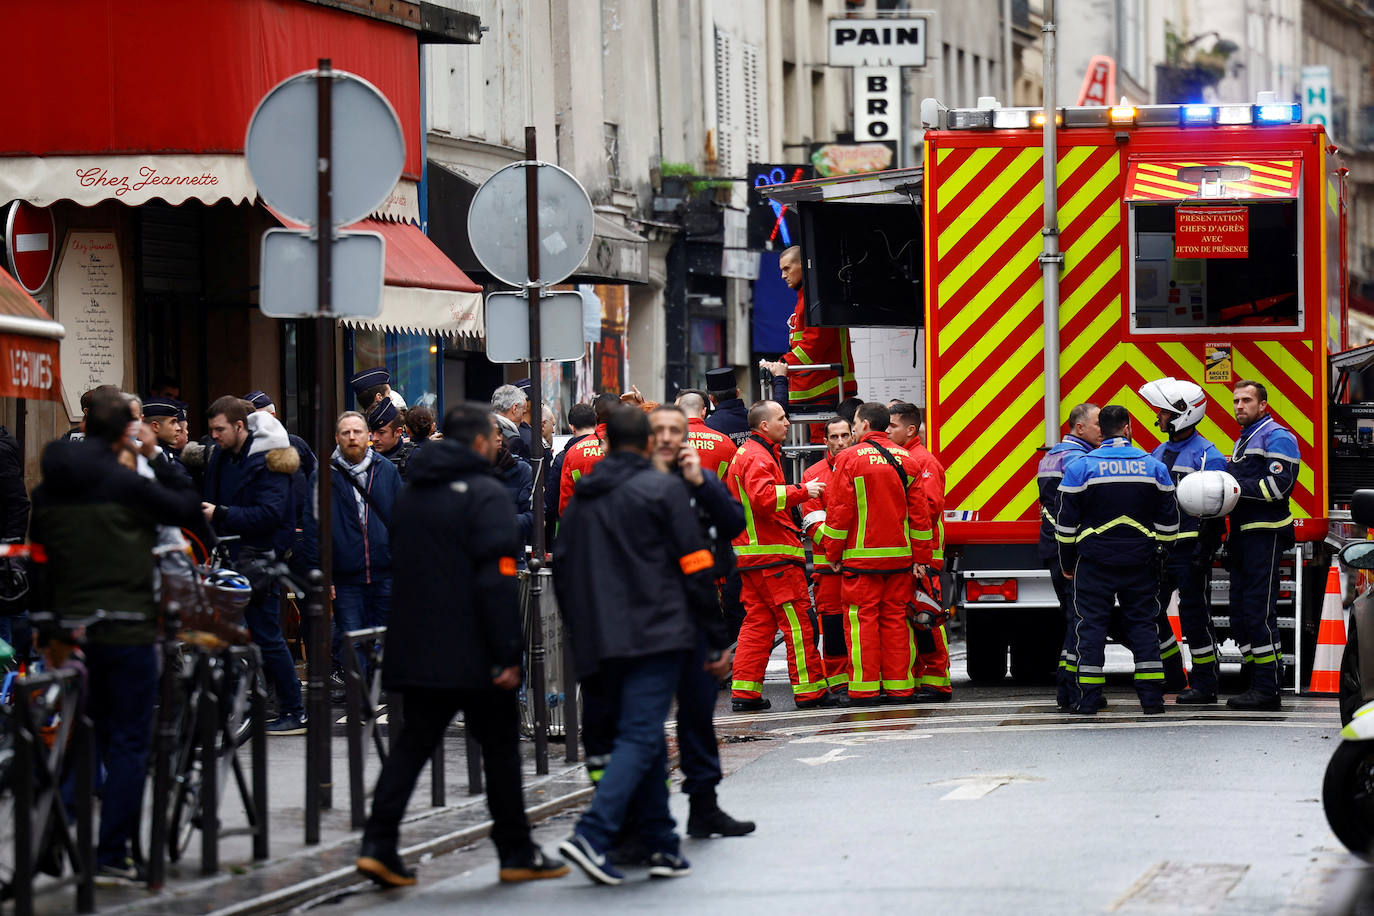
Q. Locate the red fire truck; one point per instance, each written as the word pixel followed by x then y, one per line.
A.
pixel 1203 242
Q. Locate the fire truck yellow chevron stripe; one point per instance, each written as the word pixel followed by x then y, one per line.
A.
pixel 975 313
pixel 994 193
pixel 998 429
pixel 972 410
pixel 1288 361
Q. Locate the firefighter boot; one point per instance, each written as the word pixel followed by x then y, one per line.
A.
pixel 705 819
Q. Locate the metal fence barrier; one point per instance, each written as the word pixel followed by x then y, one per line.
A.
pixel 363 656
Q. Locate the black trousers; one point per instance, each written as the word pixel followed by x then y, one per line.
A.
pixel 493 717
pixel 699 753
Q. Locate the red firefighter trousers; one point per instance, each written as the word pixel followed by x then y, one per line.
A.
pixel 881 647
pixel 830 610
pixel 932 650
pixel 776 599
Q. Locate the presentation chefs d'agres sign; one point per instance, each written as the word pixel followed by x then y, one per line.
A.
pixel 1211 232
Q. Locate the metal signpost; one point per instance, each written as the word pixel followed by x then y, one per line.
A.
pixel 325 148
pixel 554 215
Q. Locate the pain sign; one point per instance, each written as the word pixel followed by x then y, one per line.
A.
pixel 878 42
pixel 1211 232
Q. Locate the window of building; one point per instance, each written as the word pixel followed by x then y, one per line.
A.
pixel 610 137
pixel 1244 279
pixel 412 360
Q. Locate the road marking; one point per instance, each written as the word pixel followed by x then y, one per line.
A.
pixel 830 756
pixel 971 788
pixel 854 739
pixel 1180 887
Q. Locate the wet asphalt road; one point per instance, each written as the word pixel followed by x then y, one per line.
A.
pixel 993 803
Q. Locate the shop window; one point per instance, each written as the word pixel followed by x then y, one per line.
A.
pixel 412 360
pixel 1219 264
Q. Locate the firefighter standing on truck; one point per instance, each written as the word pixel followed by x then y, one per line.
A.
pixel 1265 464
pixel 1117 508
pixel 1180 406
pixel 813 345
pixel 1084 436
pixel 877 525
pixel 824 580
pixel 772 568
pixel 932 640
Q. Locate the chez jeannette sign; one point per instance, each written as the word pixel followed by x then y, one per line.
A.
pixel 1211 232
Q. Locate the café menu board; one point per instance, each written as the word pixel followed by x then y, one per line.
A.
pixel 89 297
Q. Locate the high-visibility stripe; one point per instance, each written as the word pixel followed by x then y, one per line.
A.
pixel 751 550
pixel 780 490
pixel 859 553
pixel 798 651
pixel 934 680
pixel 1281 523
pixel 1149 675
pixel 747 686
pixel 836 533
pixel 861 500
pixel 856 681
pixel 904 684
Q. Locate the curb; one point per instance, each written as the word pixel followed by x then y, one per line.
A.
pixel 332 882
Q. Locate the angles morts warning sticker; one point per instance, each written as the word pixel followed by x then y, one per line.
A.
pixel 1217 364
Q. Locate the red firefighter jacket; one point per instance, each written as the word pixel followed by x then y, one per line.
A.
pixel 876 521
pixel 715 448
pixel 816 345
pixel 933 484
pixel 580 460
pixel 813 510
pixel 770 537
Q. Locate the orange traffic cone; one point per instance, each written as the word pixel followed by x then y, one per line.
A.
pixel 1174 623
pixel 1326 664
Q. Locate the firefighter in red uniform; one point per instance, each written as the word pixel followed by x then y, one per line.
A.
pixel 772 568
pixel 875 512
pixel 932 642
pixel 715 448
pixel 813 345
pixel 826 581
pixel 583 456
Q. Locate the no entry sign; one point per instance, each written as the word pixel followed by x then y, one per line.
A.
pixel 30 244
pixel 1211 232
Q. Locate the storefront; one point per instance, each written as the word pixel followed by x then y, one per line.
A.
pixel 129 132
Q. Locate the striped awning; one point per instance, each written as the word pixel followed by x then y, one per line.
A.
pixel 1213 179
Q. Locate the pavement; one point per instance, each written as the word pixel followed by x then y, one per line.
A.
pixel 991 803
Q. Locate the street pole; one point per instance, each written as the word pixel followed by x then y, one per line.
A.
pixel 1051 261
pixel 541 716
pixel 1008 88
pixel 318 783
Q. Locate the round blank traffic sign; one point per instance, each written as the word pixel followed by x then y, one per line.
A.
pixel 497 224
pixel 368 148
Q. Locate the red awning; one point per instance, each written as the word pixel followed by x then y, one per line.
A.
pixel 28 346
pixel 152 99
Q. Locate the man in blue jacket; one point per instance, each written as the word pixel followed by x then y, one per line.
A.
pixel 248 493
pixel 1117 510
pixel 1083 437
pixel 364 487
pixel 1265 463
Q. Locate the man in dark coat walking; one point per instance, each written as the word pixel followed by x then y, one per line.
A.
pixel 635 580
pixel 454 642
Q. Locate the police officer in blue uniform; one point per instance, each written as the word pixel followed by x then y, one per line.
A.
pixel 1180 406
pixel 1117 508
pixel 731 417
pixel 1265 464
pixel 1083 437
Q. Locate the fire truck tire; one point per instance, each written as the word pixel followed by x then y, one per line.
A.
pixel 985 645
pixel 1035 647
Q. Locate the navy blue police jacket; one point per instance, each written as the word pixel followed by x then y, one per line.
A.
pixel 1047 478
pixel 1186 457
pixel 1117 506
pixel 1265 463
pixel 731 418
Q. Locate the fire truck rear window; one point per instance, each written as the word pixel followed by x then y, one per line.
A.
pixel 1243 271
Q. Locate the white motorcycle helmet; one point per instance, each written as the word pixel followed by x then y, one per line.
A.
pixel 1186 400
pixel 1208 494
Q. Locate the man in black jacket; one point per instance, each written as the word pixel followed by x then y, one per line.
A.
pixel 635 582
pixel 454 642
pixel 96 522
